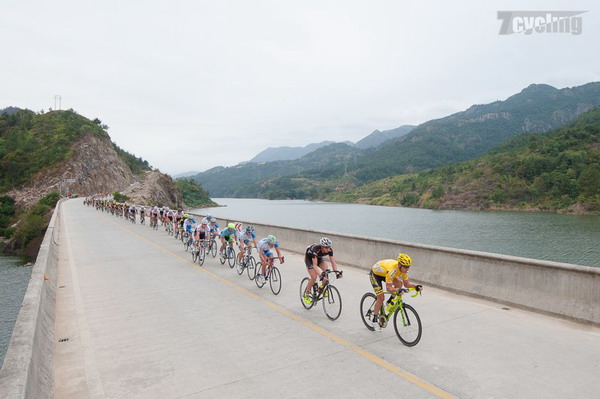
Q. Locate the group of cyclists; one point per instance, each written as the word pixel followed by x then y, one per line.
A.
pixel 394 272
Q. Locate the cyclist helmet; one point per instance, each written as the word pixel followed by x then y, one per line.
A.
pixel 186 216
pixel 271 238
pixel 404 260
pixel 231 225
pixel 213 220
pixel 250 229
pixel 325 242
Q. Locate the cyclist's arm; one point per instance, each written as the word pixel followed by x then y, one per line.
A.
pixel 281 259
pixel 333 264
pixel 408 284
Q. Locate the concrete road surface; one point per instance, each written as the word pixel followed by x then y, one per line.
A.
pixel 143 321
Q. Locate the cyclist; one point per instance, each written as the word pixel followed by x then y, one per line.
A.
pixel 189 224
pixel 154 215
pixel 142 214
pixel 227 235
pixel 395 274
pixel 132 212
pixel 201 233
pixel 206 218
pixel 177 220
pixel 264 251
pixel 315 256
pixel 213 226
pixel 245 238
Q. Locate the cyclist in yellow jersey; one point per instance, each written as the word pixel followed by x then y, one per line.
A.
pixel 395 274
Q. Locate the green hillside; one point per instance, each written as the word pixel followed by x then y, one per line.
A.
pixel 30 142
pixel 555 171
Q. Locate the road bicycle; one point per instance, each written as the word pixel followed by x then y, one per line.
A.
pixel 142 218
pixel 272 275
pixel 228 255
pixel 153 223
pixel 187 239
pixel 169 228
pixel 212 247
pixel 329 294
pixel 248 262
pixel 407 322
pixel 199 252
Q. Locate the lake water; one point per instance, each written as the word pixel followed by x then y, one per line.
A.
pixel 13 283
pixel 556 237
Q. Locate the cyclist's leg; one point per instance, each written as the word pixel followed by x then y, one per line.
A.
pixel 240 255
pixel 323 266
pixel 312 273
pixel 377 283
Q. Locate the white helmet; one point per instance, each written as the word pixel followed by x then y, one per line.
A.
pixel 325 242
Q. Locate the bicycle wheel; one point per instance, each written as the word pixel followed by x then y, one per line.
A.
pixel 275 280
pixel 239 266
pixel 213 248
pixel 251 268
pixel 201 255
pixel 186 243
pixel 332 302
pixel 222 257
pixel 367 305
pixel 303 285
pixel 230 256
pixel 408 325
pixel 259 281
pixel 194 254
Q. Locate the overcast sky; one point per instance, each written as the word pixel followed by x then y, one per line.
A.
pixel 189 85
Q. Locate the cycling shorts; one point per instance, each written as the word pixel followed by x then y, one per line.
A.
pixel 309 263
pixel 202 235
pixel 377 283
pixel 228 238
pixel 267 253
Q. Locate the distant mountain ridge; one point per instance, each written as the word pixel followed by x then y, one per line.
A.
pixel 379 137
pixel 458 137
pixel 290 153
pixel 287 153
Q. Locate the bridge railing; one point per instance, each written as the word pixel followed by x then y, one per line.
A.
pixel 27 371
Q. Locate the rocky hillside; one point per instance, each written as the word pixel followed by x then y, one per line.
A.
pixel 64 152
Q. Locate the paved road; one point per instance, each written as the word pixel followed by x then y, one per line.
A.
pixel 143 321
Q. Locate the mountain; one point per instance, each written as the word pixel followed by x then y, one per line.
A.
pixel 457 137
pixel 287 153
pixel 9 110
pixel 554 171
pixel 185 174
pixel 469 134
pixel 379 137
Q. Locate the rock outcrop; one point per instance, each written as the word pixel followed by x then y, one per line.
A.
pixel 95 167
pixel 154 189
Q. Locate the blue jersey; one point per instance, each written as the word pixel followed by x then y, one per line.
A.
pixel 228 233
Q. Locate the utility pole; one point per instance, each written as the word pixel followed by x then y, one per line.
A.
pixel 57 98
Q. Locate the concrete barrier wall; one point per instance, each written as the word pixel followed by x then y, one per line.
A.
pixel 564 290
pixel 28 371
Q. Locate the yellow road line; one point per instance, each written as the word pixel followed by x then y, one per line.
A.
pixel 357 349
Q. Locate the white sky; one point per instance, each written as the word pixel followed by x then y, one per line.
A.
pixel 189 85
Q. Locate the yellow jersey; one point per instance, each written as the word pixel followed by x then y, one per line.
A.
pixel 389 269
